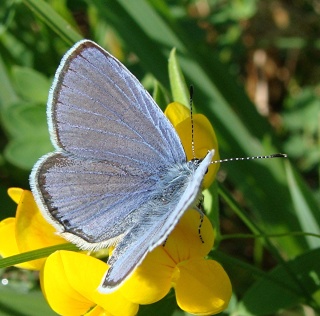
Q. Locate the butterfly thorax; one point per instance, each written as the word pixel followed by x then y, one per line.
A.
pixel 175 180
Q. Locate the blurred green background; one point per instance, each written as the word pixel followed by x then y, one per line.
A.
pixel 255 68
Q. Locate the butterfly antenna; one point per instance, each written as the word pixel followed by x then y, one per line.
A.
pixel 251 158
pixel 192 126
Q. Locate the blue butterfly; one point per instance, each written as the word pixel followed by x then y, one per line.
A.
pixel 119 174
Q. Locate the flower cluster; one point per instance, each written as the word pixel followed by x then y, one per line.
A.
pixel 69 279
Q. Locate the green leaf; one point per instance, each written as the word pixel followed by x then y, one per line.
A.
pixel 24 152
pixel 267 296
pixel 160 95
pixel 30 303
pixel 31 85
pixel 45 12
pixel 25 119
pixel 29 134
pixel 306 207
pixel 178 84
pixel 7 92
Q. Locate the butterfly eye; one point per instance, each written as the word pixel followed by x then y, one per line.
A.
pixel 196 161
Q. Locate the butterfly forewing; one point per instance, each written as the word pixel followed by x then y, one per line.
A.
pixel 98 109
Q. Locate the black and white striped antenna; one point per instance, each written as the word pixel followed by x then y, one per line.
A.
pixel 191 117
pixel 279 155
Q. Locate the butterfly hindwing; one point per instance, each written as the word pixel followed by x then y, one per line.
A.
pixel 86 200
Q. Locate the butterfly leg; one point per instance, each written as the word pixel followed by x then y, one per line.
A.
pixel 200 210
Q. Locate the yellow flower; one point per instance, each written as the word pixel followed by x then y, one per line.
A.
pixel 204 136
pixel 69 281
pixel 27 231
pixel 202 286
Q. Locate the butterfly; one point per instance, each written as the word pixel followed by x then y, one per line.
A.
pixel 119 174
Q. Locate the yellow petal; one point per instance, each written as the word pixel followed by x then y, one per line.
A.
pixel 15 194
pixel 70 280
pixel 186 242
pixel 176 113
pixel 202 287
pixel 8 243
pixel 151 281
pixel 203 132
pixel 61 296
pixel 32 230
pixel 204 140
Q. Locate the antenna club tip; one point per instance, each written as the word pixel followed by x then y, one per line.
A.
pixel 279 155
pixel 191 91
